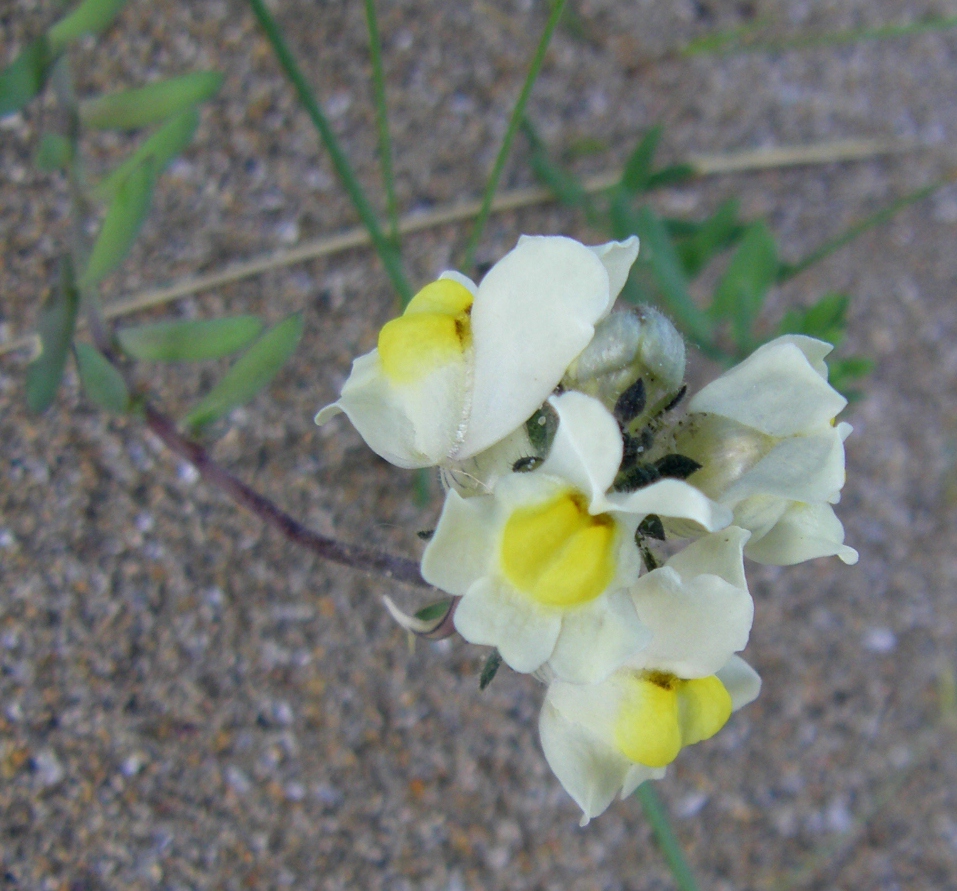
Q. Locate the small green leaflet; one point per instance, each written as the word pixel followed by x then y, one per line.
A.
pixel 102 382
pixel 162 146
pixel 826 319
pixel 90 17
pixel 140 107
pixel 434 611
pixel 55 152
pixel 250 373
pixel 637 170
pixel 124 218
pixel 57 321
pixel 25 76
pixel 744 286
pixel 188 340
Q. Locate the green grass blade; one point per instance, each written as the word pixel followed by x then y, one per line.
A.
pixel 249 373
pixel 387 253
pixel 565 186
pixel 665 836
pixel 89 17
pixel 382 121
pixel 142 106
pixel 790 270
pixel 188 340
pixel 518 112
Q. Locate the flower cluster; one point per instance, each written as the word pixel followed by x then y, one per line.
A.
pixel 569 475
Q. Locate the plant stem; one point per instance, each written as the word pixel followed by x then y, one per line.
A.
pixel 355 556
pixel 518 112
pixel 382 121
pixel 387 252
pixel 666 838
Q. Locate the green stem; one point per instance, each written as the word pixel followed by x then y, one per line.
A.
pixel 666 838
pixel 515 121
pixel 382 120
pixel 386 251
pixel 790 270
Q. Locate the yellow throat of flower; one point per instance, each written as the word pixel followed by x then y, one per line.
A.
pixel 659 714
pixel 557 553
pixel 434 330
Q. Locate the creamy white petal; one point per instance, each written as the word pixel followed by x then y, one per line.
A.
pixel 617 258
pixel 597 638
pixel 716 554
pixel 799 468
pixel 803 532
pixel 411 426
pixel 534 312
pixel 775 390
pixel 814 350
pixel 493 614
pixel 741 681
pixel 696 624
pixel 587 447
pixel 671 498
pixel 590 770
pixel 638 774
pixel 463 543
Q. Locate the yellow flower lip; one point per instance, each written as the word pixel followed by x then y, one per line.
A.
pixel 659 714
pixel 557 553
pixel 434 330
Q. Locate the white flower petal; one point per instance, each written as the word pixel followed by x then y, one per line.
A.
pixel 803 532
pixel 775 390
pixel 638 774
pixel 617 258
pixel 697 622
pixel 814 350
pixel 597 638
pixel 411 426
pixel 493 614
pixel 591 771
pixel 671 498
pixel 800 468
pixel 587 447
pixel 741 681
pixel 462 545
pixel 716 554
pixel 534 312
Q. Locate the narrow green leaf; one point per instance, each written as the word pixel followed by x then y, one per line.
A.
pixel 89 17
pixel 147 105
pixel 719 231
pixel 637 172
pixel 492 664
pixel 672 175
pixel 250 373
pixel 566 187
pixel 162 146
pixel 741 292
pixel 188 340
pixel 25 76
pixel 54 153
pixel 57 322
pixel 826 319
pixel 102 382
pixel 659 253
pixel 434 611
pixel 122 223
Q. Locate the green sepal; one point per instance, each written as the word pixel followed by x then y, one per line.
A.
pixel 433 612
pixel 490 669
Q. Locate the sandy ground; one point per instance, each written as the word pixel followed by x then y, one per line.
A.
pixel 188 701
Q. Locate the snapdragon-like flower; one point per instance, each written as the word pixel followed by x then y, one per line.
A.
pixel 464 366
pixel 607 738
pixel 765 435
pixel 542 563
